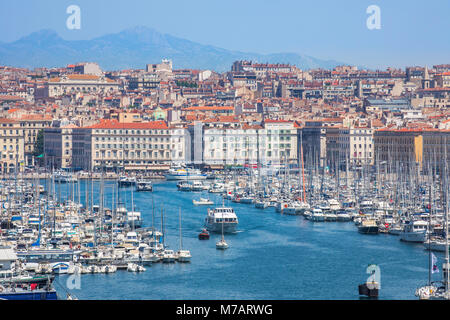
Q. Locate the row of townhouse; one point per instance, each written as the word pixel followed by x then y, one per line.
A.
pixel 429 148
pixel 156 145
pixel 118 146
pixel 273 143
pixel 12 144
pixel 329 143
pixel 336 145
pixel 18 139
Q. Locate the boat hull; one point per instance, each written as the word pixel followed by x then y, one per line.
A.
pixel 217 227
pixel 31 295
pixel 141 189
pixel 417 237
pixel 368 229
pixel 175 177
pixel 317 218
pixel 290 211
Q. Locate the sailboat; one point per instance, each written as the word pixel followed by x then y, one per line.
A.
pixel 222 244
pixel 439 290
pixel 183 255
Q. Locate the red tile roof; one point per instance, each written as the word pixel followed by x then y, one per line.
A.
pixel 220 108
pixel 114 124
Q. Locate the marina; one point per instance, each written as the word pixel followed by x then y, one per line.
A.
pixel 131 239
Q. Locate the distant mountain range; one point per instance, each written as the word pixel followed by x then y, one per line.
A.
pixel 134 48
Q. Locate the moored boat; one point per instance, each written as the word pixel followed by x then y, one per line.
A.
pixel 368 226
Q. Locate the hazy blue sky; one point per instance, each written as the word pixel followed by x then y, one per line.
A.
pixel 412 32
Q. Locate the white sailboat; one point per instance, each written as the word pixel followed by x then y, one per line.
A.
pixel 439 290
pixel 182 255
pixel 222 244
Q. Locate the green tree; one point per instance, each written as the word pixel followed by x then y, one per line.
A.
pixel 39 147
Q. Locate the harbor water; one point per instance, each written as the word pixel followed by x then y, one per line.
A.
pixel 272 256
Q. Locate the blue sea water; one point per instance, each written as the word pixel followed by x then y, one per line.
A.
pixel 273 256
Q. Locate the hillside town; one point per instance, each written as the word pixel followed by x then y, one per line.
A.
pixel 80 117
pixel 82 148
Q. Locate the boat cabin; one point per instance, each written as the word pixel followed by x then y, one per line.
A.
pixel 7 258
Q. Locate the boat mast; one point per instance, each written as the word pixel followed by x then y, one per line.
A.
pixel 132 211
pixel 429 239
pixel 445 202
pixel 113 209
pixel 54 208
pixel 102 200
pixel 162 227
pixel 223 239
pixel 303 174
pixel 181 240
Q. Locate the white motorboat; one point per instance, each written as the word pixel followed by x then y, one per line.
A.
pixel 334 205
pixel 197 186
pixel 202 202
pixel 64 177
pixel 91 269
pixel 246 199
pixel 261 204
pixel 183 256
pixel 109 269
pixel 414 231
pixel 307 214
pixel 168 256
pixel 133 267
pixel 395 230
pixel 219 217
pixel 61 267
pixel 184 174
pixel 301 207
pixel 217 188
pixel 330 216
pixel 343 216
pixel 317 215
pixel 290 210
pixel 144 185
pixel 184 186
pixel 125 181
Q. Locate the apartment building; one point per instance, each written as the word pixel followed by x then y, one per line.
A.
pixel 261 69
pixel 432 149
pixel 58 146
pixel 361 146
pixel 232 146
pixel 338 90
pixel 11 146
pixel 116 146
pixel 279 139
pixel 425 147
pixel 80 83
pixel 443 80
pixel 31 125
pixel 394 146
